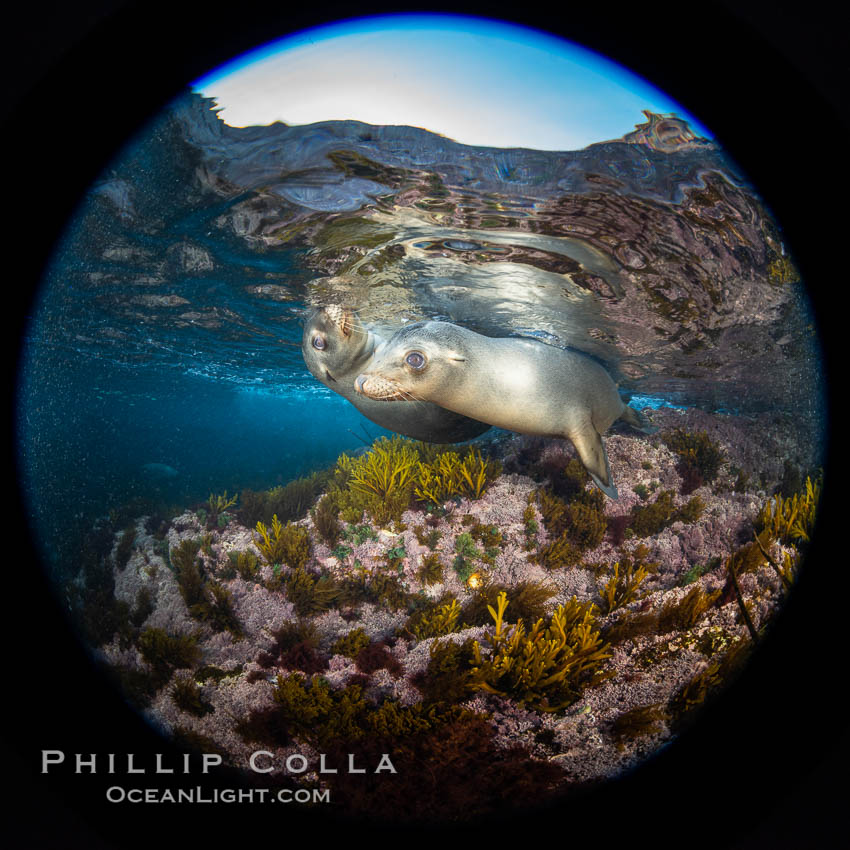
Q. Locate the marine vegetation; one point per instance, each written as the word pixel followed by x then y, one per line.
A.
pixel 379 481
pixel 145 606
pixel 396 471
pixel 466 550
pixel 124 549
pixel 395 556
pixel 708 682
pixel 308 592
pixel 245 563
pixel 289 544
pixel 699 457
pixel 430 569
pixel 548 667
pixel 672 617
pixel 165 652
pixel 558 553
pixel 359 637
pixel 648 520
pixel 326 520
pixel 295 647
pixel 448 675
pixel 448 476
pixel 791 520
pixel 642 720
pixel 437 622
pixel 351 644
pixel 429 538
pixel 622 588
pixel 206 599
pixel 187 697
pixel 526 600
pixel 217 505
pixel 311 711
pixel 573 527
pixel 289 502
pixel 687 612
pixel 530 527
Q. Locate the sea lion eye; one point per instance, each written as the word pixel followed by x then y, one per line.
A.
pixel 319 343
pixel 415 360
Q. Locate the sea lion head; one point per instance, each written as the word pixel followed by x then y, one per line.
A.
pixel 420 362
pixel 334 343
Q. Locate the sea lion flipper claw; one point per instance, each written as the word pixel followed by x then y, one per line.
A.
pixel 592 453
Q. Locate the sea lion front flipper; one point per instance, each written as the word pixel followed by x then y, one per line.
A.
pixel 637 420
pixel 592 453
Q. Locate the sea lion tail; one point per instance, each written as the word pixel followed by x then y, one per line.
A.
pixel 637 420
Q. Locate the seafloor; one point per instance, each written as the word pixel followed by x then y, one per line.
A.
pixel 289 659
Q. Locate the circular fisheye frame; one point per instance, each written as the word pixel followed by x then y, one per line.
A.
pixel 546 574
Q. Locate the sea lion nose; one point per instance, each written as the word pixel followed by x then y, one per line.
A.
pixel 358 383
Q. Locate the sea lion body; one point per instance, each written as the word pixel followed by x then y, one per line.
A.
pixel 348 349
pixel 518 384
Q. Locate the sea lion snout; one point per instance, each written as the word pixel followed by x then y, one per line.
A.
pixel 341 317
pixel 379 388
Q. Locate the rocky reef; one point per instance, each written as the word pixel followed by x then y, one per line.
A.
pixel 441 616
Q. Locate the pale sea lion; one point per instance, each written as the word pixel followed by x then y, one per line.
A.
pixel 337 348
pixel 519 384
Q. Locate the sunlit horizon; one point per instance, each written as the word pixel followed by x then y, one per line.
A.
pixel 480 82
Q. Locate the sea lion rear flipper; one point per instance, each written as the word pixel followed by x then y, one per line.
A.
pixel 637 420
pixel 592 453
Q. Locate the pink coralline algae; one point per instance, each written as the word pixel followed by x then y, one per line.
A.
pixel 669 645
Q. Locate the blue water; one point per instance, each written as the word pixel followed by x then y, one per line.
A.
pixel 96 436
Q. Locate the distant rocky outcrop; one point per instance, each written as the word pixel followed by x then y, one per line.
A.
pixel 296 163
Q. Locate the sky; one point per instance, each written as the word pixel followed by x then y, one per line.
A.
pixel 477 81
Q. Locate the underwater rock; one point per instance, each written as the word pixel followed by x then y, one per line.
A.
pixel 668 644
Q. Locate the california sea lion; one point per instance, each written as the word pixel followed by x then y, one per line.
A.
pixel 337 348
pixel 518 384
